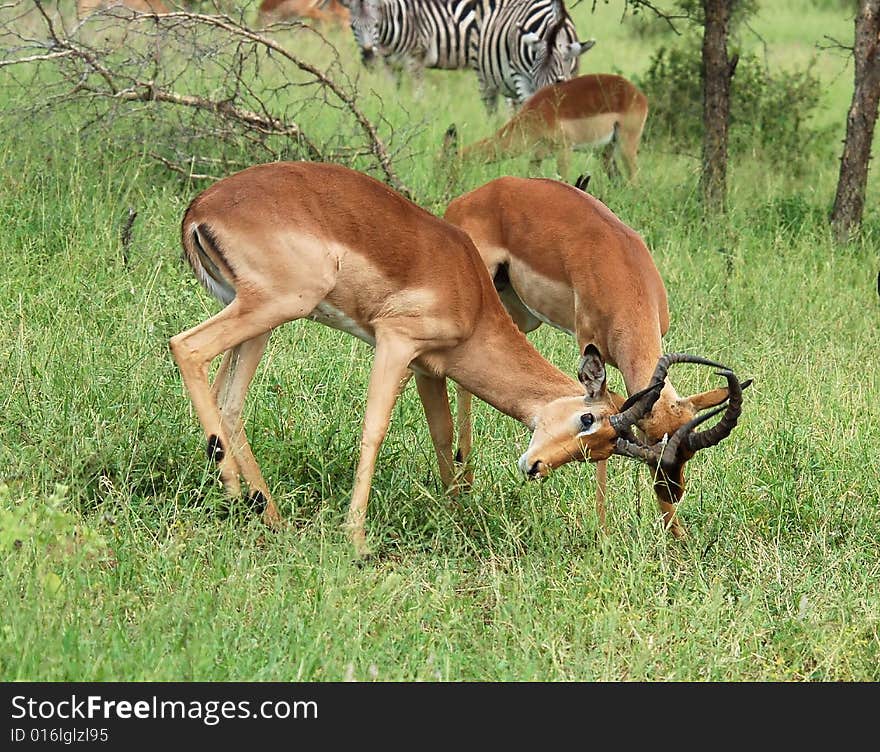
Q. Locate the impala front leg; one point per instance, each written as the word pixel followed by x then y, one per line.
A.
pixel 601 483
pixel 435 401
pixel 390 365
pixel 464 402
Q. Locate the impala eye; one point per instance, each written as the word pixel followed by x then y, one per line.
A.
pixel 587 420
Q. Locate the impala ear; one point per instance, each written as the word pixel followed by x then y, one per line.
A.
pixel 591 372
pixel 712 398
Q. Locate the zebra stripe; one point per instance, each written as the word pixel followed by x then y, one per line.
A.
pixel 430 33
pixel 524 45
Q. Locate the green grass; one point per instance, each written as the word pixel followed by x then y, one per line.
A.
pixel 121 559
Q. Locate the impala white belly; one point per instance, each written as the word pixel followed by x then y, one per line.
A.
pixel 589 132
pixel 541 317
pixel 549 301
pixel 326 314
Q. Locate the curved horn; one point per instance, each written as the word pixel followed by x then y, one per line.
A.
pixel 669 358
pixel 722 429
pixel 638 451
pixel 711 436
pixel 669 456
pixel 636 407
pixel 641 403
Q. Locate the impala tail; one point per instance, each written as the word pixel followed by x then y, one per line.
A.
pixel 204 254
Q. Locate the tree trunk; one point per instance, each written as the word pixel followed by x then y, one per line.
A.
pixel 849 203
pixel 717 72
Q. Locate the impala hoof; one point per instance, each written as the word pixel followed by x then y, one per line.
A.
pixel 215 448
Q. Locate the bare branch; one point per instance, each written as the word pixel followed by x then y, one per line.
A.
pixel 208 89
pixel 35 58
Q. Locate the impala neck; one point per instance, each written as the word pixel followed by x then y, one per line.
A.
pixel 500 366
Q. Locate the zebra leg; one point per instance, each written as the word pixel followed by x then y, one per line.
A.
pixel 489 95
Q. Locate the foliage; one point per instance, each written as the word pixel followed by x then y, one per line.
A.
pixel 44 535
pixel 770 111
pixel 850 6
pixel 513 581
pixel 646 25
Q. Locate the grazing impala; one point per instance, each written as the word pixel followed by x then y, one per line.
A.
pixel 323 11
pixel 84 7
pixel 598 109
pixel 287 241
pixel 557 255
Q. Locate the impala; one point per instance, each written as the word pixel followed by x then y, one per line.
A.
pixel 590 111
pixel 84 7
pixel 324 11
pixel 573 264
pixel 287 241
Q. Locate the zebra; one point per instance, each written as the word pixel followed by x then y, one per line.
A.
pixel 524 45
pixel 422 33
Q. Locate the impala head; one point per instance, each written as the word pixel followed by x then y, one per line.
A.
pixel 600 424
pixel 584 428
pixel 671 428
pixel 364 20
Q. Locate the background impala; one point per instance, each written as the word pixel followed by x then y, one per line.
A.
pixel 587 112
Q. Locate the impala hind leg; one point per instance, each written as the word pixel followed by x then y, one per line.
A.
pixel 393 356
pixel 609 161
pixel 193 350
pixel 230 388
pixel 435 401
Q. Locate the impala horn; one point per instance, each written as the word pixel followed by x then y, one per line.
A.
pixel 668 454
pixel 638 405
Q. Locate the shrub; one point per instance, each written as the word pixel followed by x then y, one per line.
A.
pixel 770 112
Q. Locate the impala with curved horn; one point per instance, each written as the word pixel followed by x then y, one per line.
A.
pixel 574 265
pixel 293 240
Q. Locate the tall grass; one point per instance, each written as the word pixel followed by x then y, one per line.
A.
pixel 122 560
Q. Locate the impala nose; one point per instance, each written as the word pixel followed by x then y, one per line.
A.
pixel 536 469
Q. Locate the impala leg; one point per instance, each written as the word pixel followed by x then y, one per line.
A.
pixel 464 427
pixel 390 365
pixel 194 349
pixel 630 134
pixel 230 389
pixel 435 401
pixel 669 490
pixel 601 481
pixel 608 160
pixel 563 162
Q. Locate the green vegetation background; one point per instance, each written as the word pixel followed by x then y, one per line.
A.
pixel 122 561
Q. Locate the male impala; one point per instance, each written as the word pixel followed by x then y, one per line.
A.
pixel 598 109
pixel 557 255
pixel 288 241
pixel 324 11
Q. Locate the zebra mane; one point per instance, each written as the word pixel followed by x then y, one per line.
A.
pixel 561 13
